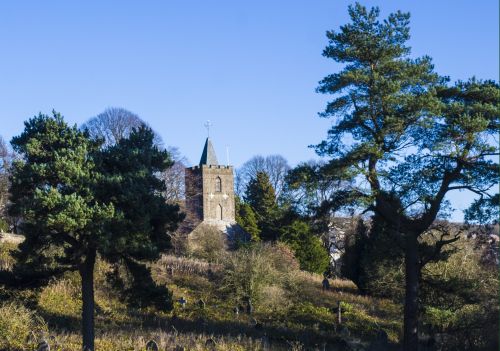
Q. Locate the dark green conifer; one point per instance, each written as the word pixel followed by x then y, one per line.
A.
pixel 246 218
pixel 77 201
pixel 308 248
pixel 261 197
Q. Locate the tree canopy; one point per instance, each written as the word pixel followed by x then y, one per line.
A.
pixel 406 135
pixel 78 201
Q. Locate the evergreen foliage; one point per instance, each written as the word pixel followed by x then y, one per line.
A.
pixel 412 138
pixel 308 249
pixel 354 249
pixel 139 233
pixel 53 191
pixel 78 201
pixel 246 218
pixel 261 197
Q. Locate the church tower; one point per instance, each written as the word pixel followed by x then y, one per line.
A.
pixel 210 191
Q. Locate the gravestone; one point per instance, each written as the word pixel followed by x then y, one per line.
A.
pixel 43 346
pixel 183 302
pixel 174 329
pixel 343 345
pixel 249 306
pixel 326 284
pixel 344 331
pixel 151 346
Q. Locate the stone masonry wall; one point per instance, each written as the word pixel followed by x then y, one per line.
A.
pixel 202 196
pixel 212 198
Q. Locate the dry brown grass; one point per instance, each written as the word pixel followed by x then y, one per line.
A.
pixel 183 265
pixel 166 341
pixel 294 312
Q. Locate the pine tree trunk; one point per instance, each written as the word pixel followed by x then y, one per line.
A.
pixel 87 276
pixel 411 294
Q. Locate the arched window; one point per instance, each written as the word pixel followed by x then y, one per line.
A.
pixel 218 185
pixel 219 212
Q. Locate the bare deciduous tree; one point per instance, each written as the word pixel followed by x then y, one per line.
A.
pixel 173 177
pixel 6 157
pixel 114 124
pixel 275 166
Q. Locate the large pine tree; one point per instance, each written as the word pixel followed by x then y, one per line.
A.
pixel 78 201
pixel 407 137
pixel 63 222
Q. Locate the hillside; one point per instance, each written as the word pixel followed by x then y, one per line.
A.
pixel 295 315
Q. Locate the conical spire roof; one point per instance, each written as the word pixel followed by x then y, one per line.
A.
pixel 208 156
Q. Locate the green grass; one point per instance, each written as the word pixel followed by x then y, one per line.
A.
pixel 297 318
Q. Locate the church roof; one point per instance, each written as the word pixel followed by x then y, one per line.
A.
pixel 208 156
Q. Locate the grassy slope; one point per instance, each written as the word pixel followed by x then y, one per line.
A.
pixel 305 319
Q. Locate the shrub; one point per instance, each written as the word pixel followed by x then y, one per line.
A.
pixel 16 325
pixel 61 301
pixel 4 225
pixel 460 296
pixel 257 270
pixel 207 243
pixel 6 259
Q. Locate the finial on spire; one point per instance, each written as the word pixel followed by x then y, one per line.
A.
pixel 207 125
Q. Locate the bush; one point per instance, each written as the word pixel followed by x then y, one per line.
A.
pixel 4 226
pixel 258 270
pixel 460 296
pixel 207 243
pixel 458 293
pixel 16 325
pixel 61 301
pixel 6 259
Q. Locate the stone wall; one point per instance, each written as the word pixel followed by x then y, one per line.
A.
pixel 204 200
pixel 218 204
pixel 194 194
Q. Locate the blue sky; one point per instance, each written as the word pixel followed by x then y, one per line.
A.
pixel 251 67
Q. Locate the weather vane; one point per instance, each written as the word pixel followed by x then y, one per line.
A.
pixel 207 125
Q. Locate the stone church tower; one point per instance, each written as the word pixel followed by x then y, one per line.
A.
pixel 210 191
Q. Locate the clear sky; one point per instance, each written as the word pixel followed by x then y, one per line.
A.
pixel 251 67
